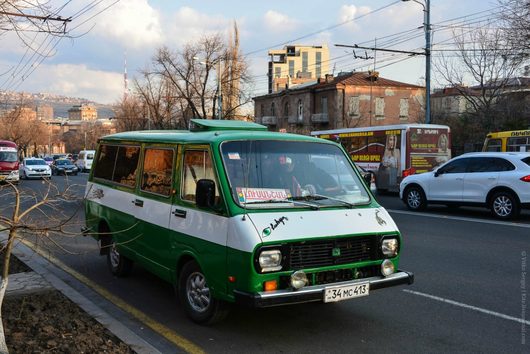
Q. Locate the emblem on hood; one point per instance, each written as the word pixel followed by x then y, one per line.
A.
pixel 379 219
pixel 272 226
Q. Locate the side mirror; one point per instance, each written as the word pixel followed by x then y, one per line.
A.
pixel 205 193
pixel 367 179
pixel 437 173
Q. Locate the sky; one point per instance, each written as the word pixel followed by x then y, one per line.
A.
pixel 91 64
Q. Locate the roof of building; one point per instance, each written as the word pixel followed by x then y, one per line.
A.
pixel 360 78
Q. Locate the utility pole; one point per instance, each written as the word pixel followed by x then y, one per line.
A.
pixel 220 94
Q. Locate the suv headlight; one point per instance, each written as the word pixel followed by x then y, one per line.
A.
pixel 390 247
pixel 270 260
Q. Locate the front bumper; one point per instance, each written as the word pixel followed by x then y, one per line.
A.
pixel 316 292
pixel 38 174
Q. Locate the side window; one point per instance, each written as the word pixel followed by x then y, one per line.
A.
pixel 105 162
pixel 481 164
pixel 503 165
pixel 158 169
pixel 197 165
pixel 126 165
pixel 456 166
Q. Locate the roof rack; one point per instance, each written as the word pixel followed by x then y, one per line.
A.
pixel 201 125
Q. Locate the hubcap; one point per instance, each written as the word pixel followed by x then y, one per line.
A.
pixel 502 206
pixel 198 292
pixel 114 256
pixel 414 199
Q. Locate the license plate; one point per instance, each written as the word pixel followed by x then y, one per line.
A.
pixel 339 293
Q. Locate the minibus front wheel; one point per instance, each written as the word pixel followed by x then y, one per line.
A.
pixel 196 298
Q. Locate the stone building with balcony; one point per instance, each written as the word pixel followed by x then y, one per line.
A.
pixel 354 99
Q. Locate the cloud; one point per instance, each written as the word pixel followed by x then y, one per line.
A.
pixel 77 81
pixel 190 24
pixel 133 22
pixel 348 13
pixel 278 22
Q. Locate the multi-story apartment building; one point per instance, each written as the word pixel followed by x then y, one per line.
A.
pixel 83 112
pixel 355 99
pixel 44 112
pixel 296 64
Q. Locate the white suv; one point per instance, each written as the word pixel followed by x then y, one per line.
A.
pixel 497 180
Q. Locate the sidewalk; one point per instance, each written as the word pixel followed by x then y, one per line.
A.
pixel 46 276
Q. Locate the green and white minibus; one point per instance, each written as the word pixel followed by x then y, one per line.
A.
pixel 231 213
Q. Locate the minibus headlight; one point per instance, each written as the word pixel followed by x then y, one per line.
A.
pixel 389 247
pixel 270 260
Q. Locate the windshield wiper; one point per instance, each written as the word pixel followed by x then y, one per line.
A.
pixel 322 197
pixel 283 201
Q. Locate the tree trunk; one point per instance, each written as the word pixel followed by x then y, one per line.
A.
pixel 3 285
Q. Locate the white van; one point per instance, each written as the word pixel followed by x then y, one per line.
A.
pixel 84 160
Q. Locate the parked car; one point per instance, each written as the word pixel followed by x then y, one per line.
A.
pixel 58 156
pixel 34 168
pixel 499 181
pixel 64 167
pixel 48 160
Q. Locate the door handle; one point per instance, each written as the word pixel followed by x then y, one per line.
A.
pixel 138 202
pixel 459 179
pixel 179 213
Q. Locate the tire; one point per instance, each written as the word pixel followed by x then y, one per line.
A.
pixel 415 198
pixel 504 205
pixel 119 265
pixel 194 295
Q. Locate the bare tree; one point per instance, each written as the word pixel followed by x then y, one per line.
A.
pixel 486 61
pixel 21 126
pixel 19 222
pixel 515 17
pixel 130 114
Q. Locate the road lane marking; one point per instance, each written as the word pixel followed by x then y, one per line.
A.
pixel 469 307
pixel 156 326
pixel 460 218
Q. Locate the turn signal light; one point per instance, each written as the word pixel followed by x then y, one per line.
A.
pixel 408 172
pixel 270 285
pixel 525 178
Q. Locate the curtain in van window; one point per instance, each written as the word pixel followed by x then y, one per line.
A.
pixel 105 162
pixel 158 168
pixel 126 165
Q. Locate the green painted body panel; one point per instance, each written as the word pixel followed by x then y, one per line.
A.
pixel 162 251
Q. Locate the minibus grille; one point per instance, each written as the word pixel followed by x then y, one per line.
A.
pixel 312 254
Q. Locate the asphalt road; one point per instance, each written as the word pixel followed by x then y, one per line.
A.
pixel 470 295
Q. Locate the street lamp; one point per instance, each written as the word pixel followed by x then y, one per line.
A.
pixel 427 29
pixel 219 86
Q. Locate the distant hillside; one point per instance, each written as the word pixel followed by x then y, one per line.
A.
pixel 61 104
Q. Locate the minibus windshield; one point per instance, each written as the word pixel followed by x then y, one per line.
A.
pixel 275 173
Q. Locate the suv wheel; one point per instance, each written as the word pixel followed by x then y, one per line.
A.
pixel 504 205
pixel 415 198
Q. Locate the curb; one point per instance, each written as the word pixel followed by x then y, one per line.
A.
pixel 47 270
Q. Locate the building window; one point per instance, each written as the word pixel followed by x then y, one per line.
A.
pixel 354 109
pixel 380 107
pixel 404 108
pixel 273 109
pixel 286 109
pixel 291 68
pixel 262 110
pixel 304 62
pixel 324 104
pixel 277 71
pixel 300 111
pixel 318 64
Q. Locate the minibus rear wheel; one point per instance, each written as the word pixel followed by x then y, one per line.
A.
pixel 196 298
pixel 119 265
